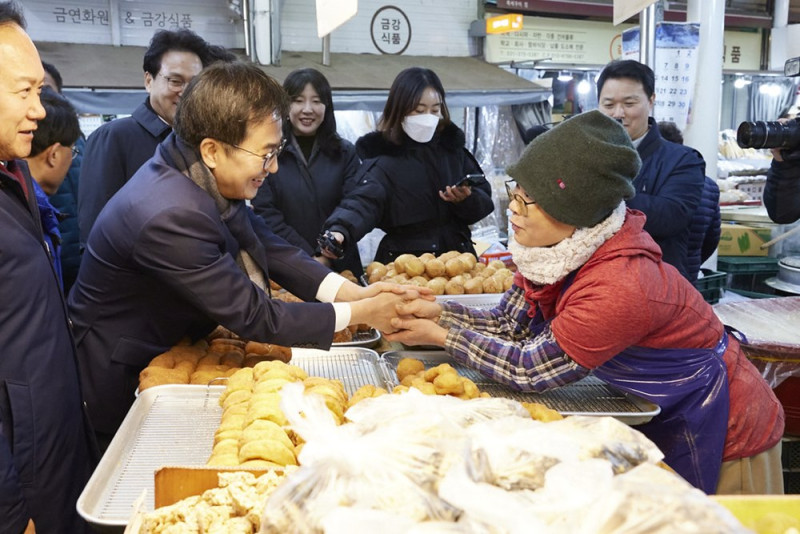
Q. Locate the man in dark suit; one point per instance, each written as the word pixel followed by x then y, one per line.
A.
pixel 46 451
pixel 177 251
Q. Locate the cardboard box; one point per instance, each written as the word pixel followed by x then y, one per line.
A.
pixel 741 240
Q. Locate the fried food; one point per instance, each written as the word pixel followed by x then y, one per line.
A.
pixel 409 366
pixel 542 413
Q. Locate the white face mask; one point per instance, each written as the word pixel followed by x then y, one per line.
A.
pixel 421 128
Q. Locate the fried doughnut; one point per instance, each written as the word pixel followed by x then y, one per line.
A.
pixel 414 267
pixel 267 449
pixel 280 367
pixel 409 366
pixel 165 360
pixel 261 429
pixel 473 286
pixel 433 372
pixel 235 397
pixel 448 384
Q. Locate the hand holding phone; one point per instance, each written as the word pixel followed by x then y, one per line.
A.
pixel 471 180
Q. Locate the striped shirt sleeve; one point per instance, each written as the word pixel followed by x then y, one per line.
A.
pixel 500 344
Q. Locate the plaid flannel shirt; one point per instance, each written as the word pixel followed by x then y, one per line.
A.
pixel 500 343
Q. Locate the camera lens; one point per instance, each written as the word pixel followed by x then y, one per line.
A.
pixel 772 134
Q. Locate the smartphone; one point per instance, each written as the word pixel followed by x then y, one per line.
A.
pixel 471 180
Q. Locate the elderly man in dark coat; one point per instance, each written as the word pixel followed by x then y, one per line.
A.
pixel 45 443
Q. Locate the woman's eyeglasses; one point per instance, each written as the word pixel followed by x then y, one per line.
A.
pixel 269 156
pixel 522 204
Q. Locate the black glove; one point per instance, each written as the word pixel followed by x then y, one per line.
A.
pixel 327 243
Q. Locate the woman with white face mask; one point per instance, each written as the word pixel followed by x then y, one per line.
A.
pixel 408 185
pixel 315 169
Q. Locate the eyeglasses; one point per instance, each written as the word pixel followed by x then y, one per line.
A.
pixel 75 150
pixel 174 84
pixel 523 204
pixel 269 156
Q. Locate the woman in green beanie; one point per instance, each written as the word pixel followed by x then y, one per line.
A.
pixel 592 296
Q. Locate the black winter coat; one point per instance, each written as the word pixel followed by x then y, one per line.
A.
pixel 114 152
pixel 46 449
pixel 398 192
pixel 782 191
pixel 296 201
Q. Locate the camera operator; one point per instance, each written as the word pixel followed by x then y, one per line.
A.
pixel 782 190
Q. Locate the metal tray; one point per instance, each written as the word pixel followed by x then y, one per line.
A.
pixel 175 425
pixel 353 366
pixel 364 338
pixel 167 425
pixel 590 396
pixel 480 300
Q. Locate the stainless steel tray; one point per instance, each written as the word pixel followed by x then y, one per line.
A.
pixel 481 300
pixel 354 366
pixel 365 338
pixel 590 396
pixel 167 425
pixel 175 425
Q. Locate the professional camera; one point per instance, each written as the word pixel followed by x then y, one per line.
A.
pixel 772 134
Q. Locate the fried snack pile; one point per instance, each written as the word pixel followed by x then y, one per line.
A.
pixel 233 507
pixel 218 356
pixel 452 273
pixel 253 431
pixel 443 380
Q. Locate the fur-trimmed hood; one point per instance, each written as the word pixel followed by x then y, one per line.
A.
pixel 374 144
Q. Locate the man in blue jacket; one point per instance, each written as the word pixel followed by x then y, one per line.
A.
pixel 46 453
pixel 117 149
pixel 670 183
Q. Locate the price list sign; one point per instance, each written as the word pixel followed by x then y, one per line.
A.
pixel 675 68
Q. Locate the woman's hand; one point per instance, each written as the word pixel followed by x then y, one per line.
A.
pixel 455 193
pixel 339 237
pixel 410 331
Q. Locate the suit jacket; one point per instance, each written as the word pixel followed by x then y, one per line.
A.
pixel 160 265
pixel 46 452
pixel 114 152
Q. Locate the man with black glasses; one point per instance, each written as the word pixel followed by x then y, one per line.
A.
pixel 117 149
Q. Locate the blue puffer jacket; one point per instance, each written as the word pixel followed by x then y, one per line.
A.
pixel 52 237
pixel 705 229
pixel 668 190
pixel 65 200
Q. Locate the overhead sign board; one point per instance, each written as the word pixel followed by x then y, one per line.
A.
pixel 333 13
pixel 510 22
pixel 625 9
pixel 580 42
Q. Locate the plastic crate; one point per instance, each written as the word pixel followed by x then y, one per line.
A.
pixel 710 285
pixel 748 273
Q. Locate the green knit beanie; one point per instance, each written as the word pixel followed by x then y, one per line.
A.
pixel 580 170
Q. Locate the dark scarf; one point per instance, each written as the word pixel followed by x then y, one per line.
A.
pixel 251 257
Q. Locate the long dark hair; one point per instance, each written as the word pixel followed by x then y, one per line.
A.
pixel 404 97
pixel 328 141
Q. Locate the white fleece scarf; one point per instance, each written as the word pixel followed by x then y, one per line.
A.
pixel 548 265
